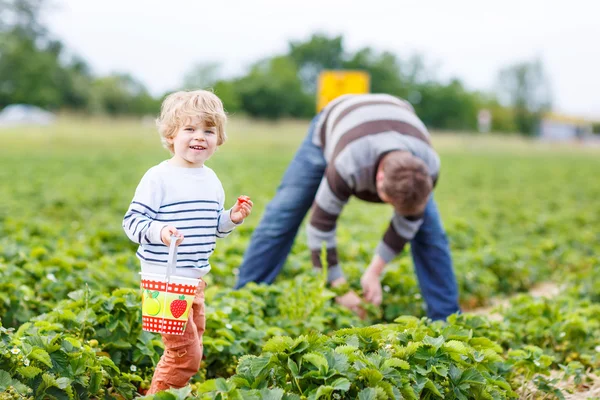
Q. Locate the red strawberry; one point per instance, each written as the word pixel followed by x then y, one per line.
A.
pixel 178 307
pixel 243 199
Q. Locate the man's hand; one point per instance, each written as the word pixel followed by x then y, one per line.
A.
pixel 166 233
pixel 370 281
pixel 352 302
pixel 241 209
pixel 371 287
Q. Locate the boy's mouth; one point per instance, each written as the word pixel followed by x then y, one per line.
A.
pixel 198 147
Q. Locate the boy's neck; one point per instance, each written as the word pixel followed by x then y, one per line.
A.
pixel 177 161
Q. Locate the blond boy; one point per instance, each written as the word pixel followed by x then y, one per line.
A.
pixel 183 197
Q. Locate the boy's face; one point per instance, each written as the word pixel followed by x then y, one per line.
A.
pixel 194 143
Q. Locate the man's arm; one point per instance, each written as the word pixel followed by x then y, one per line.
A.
pixel 332 195
pixel 400 231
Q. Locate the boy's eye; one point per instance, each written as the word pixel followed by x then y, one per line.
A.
pixel 209 131
pixel 189 129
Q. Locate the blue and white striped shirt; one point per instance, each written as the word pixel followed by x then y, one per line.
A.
pixel 190 199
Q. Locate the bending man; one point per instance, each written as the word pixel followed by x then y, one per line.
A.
pixel 373 147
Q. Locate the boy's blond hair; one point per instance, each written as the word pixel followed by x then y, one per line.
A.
pixel 406 182
pixel 179 107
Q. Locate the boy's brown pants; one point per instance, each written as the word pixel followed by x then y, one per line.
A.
pixel 183 353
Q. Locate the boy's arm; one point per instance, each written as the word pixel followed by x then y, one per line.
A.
pixel 139 222
pixel 331 197
pixel 224 223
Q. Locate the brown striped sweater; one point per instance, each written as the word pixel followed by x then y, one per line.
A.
pixel 355 132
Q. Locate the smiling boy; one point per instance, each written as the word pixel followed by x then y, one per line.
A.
pixel 183 197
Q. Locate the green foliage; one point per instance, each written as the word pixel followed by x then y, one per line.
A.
pixel 272 90
pixel 70 297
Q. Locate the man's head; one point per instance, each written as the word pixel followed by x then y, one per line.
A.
pixel 190 107
pixel 403 181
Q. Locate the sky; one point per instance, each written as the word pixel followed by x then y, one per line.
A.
pixel 158 41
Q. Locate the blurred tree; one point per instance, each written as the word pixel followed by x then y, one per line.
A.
pixel 23 17
pixel 447 106
pixel 121 94
pixel 525 87
pixel 503 119
pixel 201 76
pixel 272 90
pixel 34 75
pixel 318 53
pixel 229 95
pixel 383 68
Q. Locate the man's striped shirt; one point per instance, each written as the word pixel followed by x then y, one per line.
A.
pixel 355 132
pixel 190 199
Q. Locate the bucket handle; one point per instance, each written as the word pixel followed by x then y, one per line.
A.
pixel 172 258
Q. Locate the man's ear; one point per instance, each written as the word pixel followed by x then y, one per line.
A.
pixel 379 176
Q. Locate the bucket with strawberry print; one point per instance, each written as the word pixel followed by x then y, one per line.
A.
pixel 167 298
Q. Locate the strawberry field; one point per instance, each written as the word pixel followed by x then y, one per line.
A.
pixel 517 213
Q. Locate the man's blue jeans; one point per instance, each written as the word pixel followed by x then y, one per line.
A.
pixel 272 240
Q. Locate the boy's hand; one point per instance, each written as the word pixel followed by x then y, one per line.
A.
pixel 241 209
pixel 167 232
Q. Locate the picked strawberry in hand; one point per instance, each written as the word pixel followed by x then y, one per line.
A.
pixel 243 199
pixel 241 209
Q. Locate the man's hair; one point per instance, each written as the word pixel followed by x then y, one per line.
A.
pixel 406 182
pixel 180 107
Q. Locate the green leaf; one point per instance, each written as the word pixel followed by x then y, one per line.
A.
pixel 5 379
pixel 372 376
pixel 472 376
pixel 95 381
pixel 436 343
pixel 182 393
pixel 455 374
pixel 208 386
pixel 482 343
pixel 300 346
pixel 396 363
pixel 367 394
pixel 337 362
pixel 259 364
pixel 456 347
pixel 221 385
pixel 61 363
pixel 271 394
pixel 63 383
pixel 42 356
pixel 431 386
pixel 342 384
pixel 107 362
pixel 278 344
pixel 318 360
pixel 293 367
pixel 324 391
pixel 29 372
pixel 347 350
pixel 164 396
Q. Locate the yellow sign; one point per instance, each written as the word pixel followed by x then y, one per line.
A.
pixel 334 83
